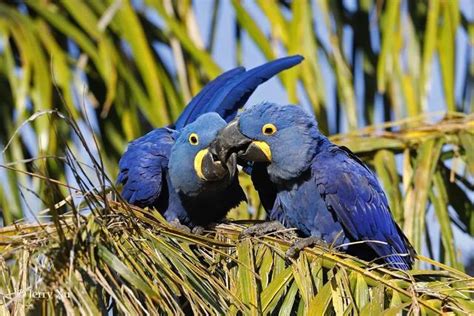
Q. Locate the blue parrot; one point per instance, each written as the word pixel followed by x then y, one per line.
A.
pixel 170 169
pixel 306 182
pixel 204 189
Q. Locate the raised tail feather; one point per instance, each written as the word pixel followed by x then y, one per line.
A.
pixel 229 92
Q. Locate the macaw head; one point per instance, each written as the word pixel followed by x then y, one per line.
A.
pixel 284 136
pixel 192 167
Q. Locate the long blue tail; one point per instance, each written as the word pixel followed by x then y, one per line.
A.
pixel 229 91
pixel 195 108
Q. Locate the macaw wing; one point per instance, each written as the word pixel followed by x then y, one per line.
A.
pixel 352 193
pixel 238 90
pixel 229 91
pixel 143 167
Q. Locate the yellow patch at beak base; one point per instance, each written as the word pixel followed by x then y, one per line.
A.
pixel 198 163
pixel 265 148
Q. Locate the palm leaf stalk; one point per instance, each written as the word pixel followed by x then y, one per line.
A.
pixel 130 260
pixel 103 255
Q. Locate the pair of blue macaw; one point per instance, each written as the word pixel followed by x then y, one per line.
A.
pixel 188 171
pixel 171 168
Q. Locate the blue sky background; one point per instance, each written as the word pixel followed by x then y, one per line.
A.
pixel 224 54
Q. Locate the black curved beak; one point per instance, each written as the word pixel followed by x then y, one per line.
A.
pixel 213 169
pixel 231 141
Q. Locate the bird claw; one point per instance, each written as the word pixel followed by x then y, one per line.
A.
pixel 302 243
pixel 198 230
pixel 175 223
pixel 261 229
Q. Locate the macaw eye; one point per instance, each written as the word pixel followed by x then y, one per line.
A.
pixel 193 139
pixel 269 129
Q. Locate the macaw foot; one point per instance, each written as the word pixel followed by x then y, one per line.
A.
pixel 198 230
pixel 175 223
pixel 261 229
pixel 302 243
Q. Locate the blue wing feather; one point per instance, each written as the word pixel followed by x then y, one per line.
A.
pixel 143 167
pixel 229 92
pixel 352 192
pixel 196 107
pixel 237 91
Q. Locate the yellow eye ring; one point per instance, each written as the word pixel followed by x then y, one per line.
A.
pixel 269 129
pixel 193 139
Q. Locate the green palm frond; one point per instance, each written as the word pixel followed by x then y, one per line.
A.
pixel 131 261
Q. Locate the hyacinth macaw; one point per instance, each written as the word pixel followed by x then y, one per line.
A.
pixel 306 182
pixel 170 169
